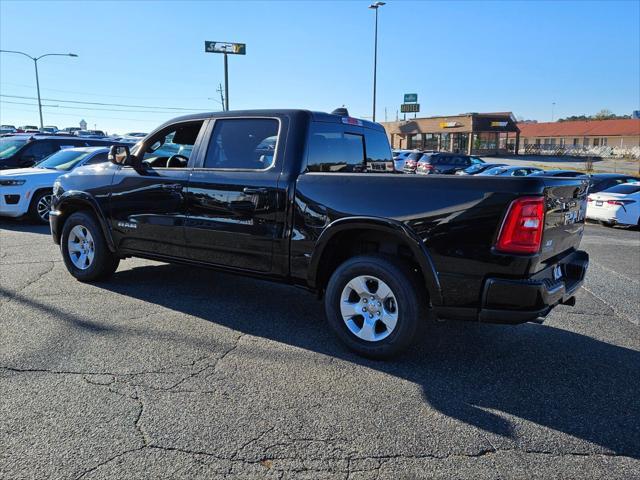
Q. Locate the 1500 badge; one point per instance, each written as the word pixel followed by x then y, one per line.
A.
pixel 127 225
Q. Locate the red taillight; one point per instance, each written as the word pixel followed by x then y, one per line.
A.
pixel 615 202
pixel 427 166
pixel 521 230
pixel 589 199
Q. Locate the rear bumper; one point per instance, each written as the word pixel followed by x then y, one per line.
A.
pixel 514 301
pixel 517 301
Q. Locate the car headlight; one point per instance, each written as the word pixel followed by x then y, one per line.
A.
pixel 11 183
pixel 57 188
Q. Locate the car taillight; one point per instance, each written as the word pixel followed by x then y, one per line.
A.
pixel 521 231
pixel 621 203
pixel 589 199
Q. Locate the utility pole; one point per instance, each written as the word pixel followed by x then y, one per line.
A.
pixel 385 114
pixel 553 108
pixel 219 90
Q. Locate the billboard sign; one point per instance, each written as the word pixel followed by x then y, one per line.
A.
pixel 410 98
pixel 225 47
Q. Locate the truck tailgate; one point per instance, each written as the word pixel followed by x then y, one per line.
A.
pixel 565 211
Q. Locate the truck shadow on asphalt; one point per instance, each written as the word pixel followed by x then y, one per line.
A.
pixel 478 374
pixel 24 226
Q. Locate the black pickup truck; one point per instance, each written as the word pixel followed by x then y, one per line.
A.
pixel 301 197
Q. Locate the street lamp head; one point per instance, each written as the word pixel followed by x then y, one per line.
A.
pixel 376 5
pixel 73 55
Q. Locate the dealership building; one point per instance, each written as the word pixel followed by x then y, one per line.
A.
pixel 470 133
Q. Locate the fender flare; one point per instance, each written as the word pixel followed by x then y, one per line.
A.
pixel 398 229
pixel 77 197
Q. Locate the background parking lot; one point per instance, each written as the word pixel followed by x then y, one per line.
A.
pixel 172 372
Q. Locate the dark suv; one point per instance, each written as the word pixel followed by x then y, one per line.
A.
pixel 445 163
pixel 20 151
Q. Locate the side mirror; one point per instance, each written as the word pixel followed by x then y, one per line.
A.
pixel 120 155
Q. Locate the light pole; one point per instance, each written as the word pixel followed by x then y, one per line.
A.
pixel 35 63
pixel 553 109
pixel 375 7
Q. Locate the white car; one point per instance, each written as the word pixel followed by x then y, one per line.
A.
pixel 619 205
pixel 28 190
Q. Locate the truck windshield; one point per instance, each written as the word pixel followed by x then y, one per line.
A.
pixel 10 145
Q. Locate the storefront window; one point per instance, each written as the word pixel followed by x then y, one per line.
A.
pixel 415 141
pixel 445 142
pixel 431 141
pixel 460 141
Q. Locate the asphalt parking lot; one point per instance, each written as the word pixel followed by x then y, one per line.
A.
pixel 172 372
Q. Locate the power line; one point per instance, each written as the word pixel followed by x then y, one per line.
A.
pixel 96 94
pixel 108 104
pixel 147 121
pixel 91 108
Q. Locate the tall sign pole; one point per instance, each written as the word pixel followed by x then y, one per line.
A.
pixel 225 48
pixel 375 7
pixel 226 83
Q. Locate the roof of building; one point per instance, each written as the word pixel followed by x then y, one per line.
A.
pixel 582 128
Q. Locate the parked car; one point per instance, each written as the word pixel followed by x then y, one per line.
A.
pixel 28 190
pixel 619 205
pixel 560 173
pixel 444 163
pixel 602 181
pixel 489 250
pixel 411 161
pixel 70 130
pixel 7 129
pixel 23 150
pixel 49 129
pixel 400 157
pixel 28 129
pixel 90 133
pixel 510 171
pixel 476 168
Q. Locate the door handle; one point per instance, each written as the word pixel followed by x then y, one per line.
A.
pixel 172 187
pixel 255 191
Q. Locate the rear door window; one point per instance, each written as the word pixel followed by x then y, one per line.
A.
pixel 243 143
pixel 332 149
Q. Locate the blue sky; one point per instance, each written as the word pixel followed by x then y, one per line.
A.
pixel 458 56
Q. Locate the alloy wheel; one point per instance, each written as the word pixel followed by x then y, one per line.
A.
pixel 369 308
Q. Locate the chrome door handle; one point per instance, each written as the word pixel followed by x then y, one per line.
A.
pixel 255 191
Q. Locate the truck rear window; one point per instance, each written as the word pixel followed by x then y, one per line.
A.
pixel 336 148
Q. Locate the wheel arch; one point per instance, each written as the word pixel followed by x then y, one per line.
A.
pixel 322 264
pixel 74 201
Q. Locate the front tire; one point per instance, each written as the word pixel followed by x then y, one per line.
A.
pixel 373 304
pixel 84 249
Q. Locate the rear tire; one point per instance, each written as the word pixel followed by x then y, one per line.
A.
pixel 373 305
pixel 40 207
pixel 84 249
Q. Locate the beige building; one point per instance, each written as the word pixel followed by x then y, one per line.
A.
pixel 608 137
pixel 470 133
